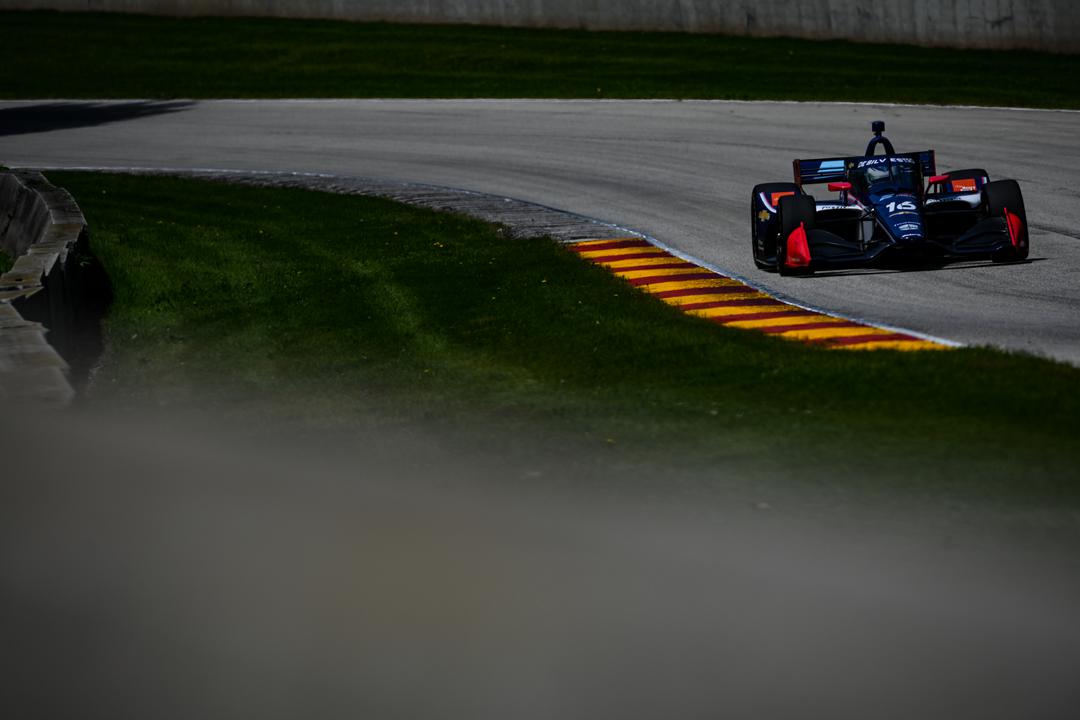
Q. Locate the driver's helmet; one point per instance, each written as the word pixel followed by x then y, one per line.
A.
pixel 896 174
pixel 877 173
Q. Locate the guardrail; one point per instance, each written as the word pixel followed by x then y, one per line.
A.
pixel 1052 25
pixel 43 320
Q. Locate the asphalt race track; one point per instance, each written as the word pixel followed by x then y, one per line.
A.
pixel 679 171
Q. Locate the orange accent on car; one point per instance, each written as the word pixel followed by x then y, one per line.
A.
pixel 964 185
pixel 775 198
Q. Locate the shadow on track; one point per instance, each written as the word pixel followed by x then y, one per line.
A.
pixel 44 117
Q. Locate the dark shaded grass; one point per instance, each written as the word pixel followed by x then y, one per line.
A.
pixel 51 55
pixel 342 313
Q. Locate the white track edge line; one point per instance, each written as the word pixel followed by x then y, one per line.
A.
pixel 702 101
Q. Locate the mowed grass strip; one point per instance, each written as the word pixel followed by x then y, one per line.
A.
pixel 337 313
pixel 62 55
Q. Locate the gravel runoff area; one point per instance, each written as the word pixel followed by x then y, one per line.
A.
pixel 519 218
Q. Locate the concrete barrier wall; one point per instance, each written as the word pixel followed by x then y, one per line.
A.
pixel 23 215
pixel 41 296
pixel 1052 25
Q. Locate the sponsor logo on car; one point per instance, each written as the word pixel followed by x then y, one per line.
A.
pixel 879 160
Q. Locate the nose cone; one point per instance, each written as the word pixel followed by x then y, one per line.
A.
pixel 902 216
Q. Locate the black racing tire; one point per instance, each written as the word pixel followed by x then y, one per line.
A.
pixel 755 207
pixel 794 211
pixel 1002 194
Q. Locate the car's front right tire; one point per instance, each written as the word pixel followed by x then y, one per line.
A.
pixel 1003 199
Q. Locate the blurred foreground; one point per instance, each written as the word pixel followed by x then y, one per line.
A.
pixel 179 570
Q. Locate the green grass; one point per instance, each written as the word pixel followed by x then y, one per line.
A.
pixel 338 313
pixel 50 55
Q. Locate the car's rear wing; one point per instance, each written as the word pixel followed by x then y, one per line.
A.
pixel 810 172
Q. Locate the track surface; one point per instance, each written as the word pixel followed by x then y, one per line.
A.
pixel 679 171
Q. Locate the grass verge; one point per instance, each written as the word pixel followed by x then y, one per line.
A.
pixel 340 312
pixel 62 55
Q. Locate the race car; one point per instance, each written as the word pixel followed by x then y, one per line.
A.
pixel 888 209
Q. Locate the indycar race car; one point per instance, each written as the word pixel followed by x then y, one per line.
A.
pixel 889 209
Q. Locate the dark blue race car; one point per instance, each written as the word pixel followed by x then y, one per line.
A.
pixel 888 209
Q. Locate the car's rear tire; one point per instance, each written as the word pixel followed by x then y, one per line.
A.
pixel 763 258
pixel 1002 195
pixel 793 211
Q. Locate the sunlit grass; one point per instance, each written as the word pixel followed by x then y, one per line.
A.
pixel 338 313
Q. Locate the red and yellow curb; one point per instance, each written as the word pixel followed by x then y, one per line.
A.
pixel 702 292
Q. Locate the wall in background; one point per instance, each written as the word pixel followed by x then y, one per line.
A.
pixel 1052 25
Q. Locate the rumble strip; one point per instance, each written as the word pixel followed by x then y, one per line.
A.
pixel 729 302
